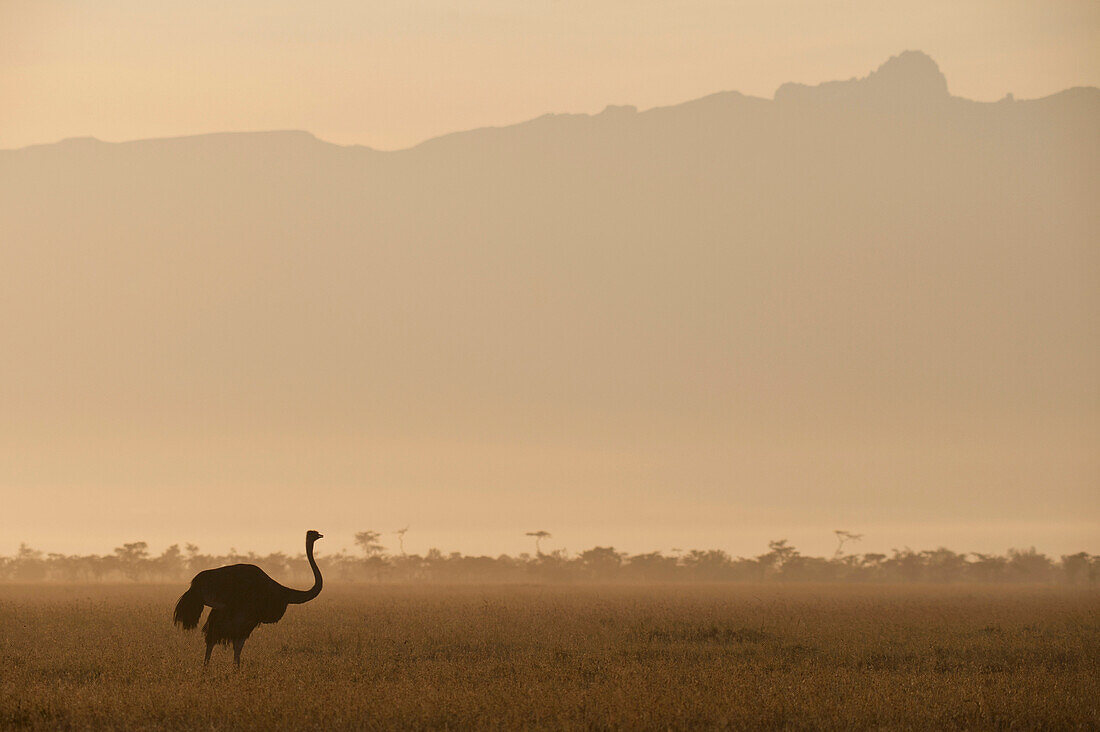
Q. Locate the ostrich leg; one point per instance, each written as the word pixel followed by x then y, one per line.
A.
pixel 209 649
pixel 238 644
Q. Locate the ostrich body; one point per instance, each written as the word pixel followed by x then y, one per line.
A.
pixel 240 596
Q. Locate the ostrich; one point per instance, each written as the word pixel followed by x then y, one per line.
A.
pixel 241 596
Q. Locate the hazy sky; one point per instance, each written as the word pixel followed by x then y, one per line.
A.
pixel 390 73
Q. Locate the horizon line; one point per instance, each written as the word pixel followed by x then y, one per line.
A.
pixel 608 108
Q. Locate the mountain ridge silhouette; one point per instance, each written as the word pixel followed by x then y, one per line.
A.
pixel 911 77
pixel 802 299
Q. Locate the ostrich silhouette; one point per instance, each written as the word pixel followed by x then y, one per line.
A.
pixel 241 596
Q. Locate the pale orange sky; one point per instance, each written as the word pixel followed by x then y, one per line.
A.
pixel 173 379
pixel 391 73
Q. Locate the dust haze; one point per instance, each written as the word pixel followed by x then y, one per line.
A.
pixel 866 304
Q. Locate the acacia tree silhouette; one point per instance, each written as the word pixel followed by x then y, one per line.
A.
pixel 131 558
pixel 241 596
pixel 367 541
pixel 843 537
pixel 401 539
pixel 539 536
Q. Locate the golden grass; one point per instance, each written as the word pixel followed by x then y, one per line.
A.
pixel 732 656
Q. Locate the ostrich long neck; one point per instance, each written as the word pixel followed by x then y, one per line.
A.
pixel 297 597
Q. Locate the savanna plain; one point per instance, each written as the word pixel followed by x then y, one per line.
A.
pixel 547 656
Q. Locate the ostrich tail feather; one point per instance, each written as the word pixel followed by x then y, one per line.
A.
pixel 188 609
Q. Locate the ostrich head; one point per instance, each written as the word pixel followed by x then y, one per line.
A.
pixel 312 536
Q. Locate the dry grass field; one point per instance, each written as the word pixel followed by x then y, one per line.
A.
pixel 509 657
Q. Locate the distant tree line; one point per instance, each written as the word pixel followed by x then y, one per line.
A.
pixel 781 563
